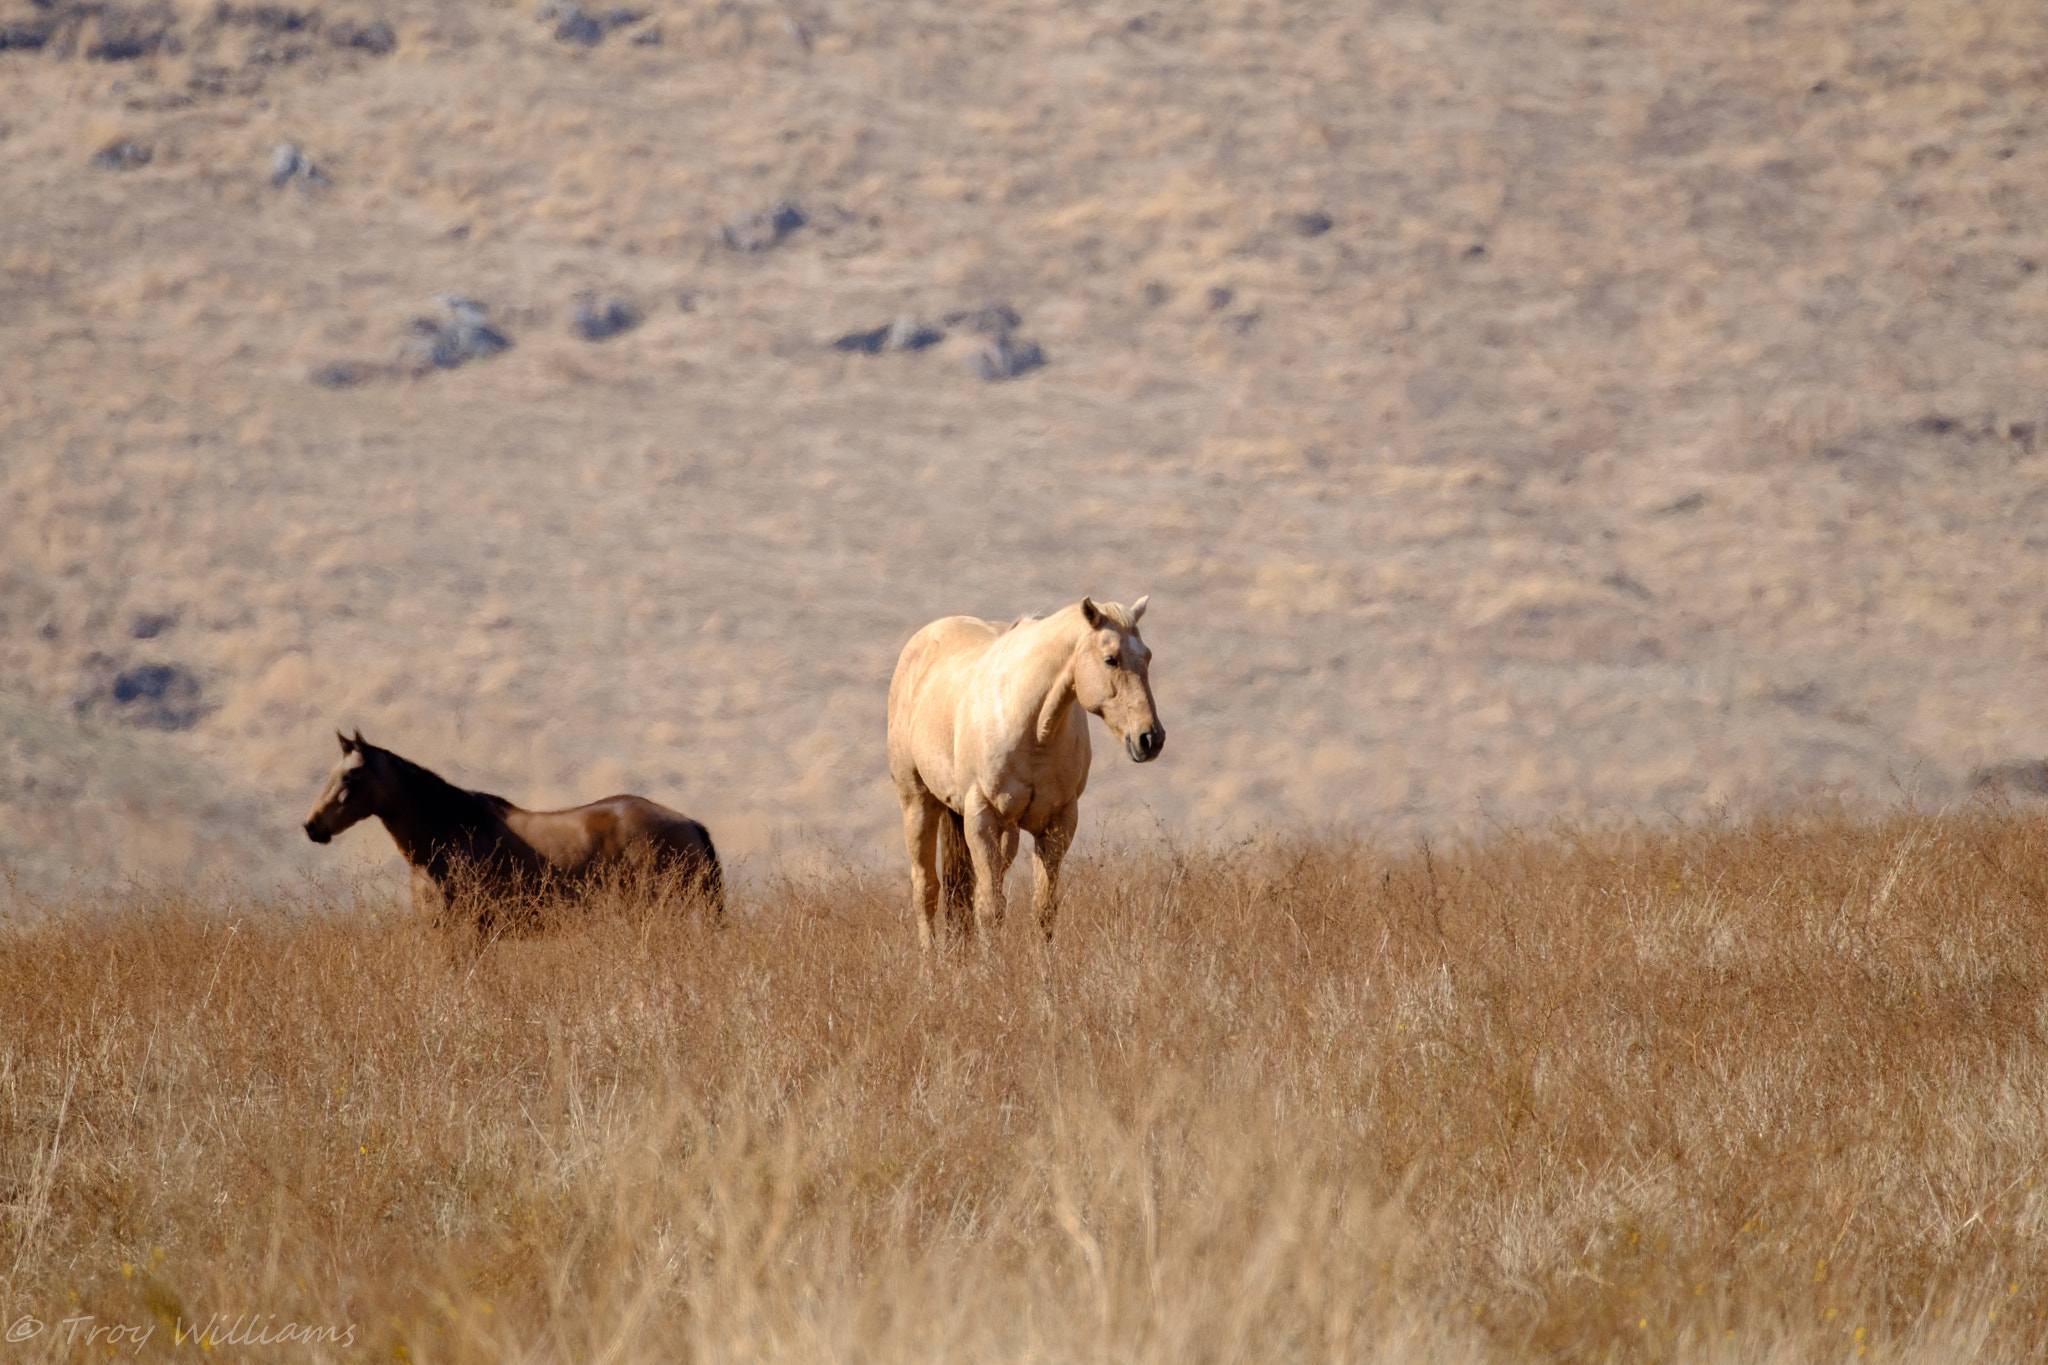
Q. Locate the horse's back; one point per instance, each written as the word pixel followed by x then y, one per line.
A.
pixel 627 830
pixel 634 822
pixel 936 664
pixel 951 640
pixel 618 827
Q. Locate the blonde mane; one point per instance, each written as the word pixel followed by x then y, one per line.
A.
pixel 1118 613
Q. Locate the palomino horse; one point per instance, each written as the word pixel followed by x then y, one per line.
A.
pixel 459 840
pixel 986 737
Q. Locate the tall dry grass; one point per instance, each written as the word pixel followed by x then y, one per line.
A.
pixel 1769 1090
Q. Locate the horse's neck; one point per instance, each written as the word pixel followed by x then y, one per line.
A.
pixel 1044 679
pixel 431 816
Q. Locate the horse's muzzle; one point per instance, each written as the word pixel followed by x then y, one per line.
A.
pixel 316 833
pixel 1145 746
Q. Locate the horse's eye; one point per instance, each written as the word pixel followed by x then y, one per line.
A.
pixel 1109 659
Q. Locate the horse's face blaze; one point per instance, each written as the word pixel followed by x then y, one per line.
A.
pixel 345 799
pixel 1113 680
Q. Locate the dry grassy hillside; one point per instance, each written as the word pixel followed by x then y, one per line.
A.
pixel 1772 1092
pixel 1511 407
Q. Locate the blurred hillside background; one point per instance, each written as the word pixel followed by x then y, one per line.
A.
pixel 1513 409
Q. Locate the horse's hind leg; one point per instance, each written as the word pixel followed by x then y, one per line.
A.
pixel 689 864
pixel 957 868
pixel 923 817
pixel 711 882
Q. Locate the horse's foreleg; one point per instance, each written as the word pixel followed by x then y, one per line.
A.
pixel 1048 849
pixel 1006 853
pixel 987 838
pixel 921 816
pixel 428 902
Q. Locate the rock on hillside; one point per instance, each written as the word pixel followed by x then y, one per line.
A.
pixel 1511 408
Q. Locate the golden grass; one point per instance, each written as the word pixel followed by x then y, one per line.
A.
pixel 1768 1090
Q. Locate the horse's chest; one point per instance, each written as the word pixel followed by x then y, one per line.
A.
pixel 1039 785
pixel 1013 801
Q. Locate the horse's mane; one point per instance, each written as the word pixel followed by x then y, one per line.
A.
pixel 1117 612
pixel 453 802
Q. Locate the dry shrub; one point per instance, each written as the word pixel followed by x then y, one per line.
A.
pixel 1768 1090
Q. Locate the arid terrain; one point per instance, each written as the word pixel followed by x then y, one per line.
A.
pixel 1583 459
pixel 1511 409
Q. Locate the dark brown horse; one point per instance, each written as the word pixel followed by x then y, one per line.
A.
pixel 464 844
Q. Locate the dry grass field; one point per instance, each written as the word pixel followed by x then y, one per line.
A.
pixel 1512 408
pixel 1769 1091
pixel 1525 416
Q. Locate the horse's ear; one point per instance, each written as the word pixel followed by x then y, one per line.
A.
pixel 361 743
pixel 346 746
pixel 1138 608
pixel 1092 612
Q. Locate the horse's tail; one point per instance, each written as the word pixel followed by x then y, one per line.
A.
pixel 956 873
pixel 711 880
